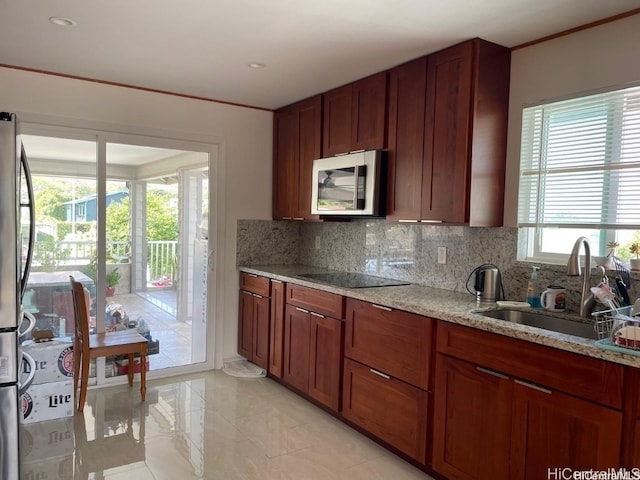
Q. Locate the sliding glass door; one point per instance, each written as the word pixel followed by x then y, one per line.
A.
pixel 128 216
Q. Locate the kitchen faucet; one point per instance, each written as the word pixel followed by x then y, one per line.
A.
pixel 587 300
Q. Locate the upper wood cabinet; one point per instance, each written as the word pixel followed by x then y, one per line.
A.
pixel 455 141
pixel 296 143
pixel 355 116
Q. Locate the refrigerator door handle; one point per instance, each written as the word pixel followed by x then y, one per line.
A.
pixel 32 323
pixel 32 222
pixel 27 359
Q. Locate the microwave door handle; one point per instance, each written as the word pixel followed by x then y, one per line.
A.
pixel 360 175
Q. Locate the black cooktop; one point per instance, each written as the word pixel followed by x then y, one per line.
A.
pixel 352 280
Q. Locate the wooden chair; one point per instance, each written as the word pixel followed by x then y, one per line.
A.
pixel 87 346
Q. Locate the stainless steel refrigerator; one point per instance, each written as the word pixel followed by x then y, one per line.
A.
pixel 16 207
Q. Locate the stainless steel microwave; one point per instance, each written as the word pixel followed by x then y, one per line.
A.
pixel 349 185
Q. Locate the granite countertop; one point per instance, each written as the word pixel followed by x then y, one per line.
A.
pixel 445 305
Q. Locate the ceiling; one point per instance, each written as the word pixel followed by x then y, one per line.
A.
pixel 202 48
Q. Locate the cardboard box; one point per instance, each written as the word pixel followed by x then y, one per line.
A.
pixel 48 401
pixel 122 366
pixel 46 440
pixel 54 360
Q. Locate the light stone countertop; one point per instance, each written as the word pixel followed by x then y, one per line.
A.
pixel 445 305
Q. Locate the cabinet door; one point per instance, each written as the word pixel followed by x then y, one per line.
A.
pixel 407 91
pixel 309 148
pixel 276 329
pixel 245 325
pixel 336 131
pixel 636 452
pixel 285 162
pixel 297 332
pixel 325 360
pixel 369 113
pixel 446 168
pixel 472 421
pixel 553 430
pixel 393 411
pixel 260 344
pixel 395 342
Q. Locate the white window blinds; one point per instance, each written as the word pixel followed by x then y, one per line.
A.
pixel 580 163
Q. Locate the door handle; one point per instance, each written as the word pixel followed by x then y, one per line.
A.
pixel 380 374
pixel 534 387
pixel 302 310
pixel 492 373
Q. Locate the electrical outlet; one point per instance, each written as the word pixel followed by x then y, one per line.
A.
pixel 317 242
pixel 442 254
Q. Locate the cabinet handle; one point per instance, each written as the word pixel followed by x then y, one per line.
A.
pixel 273 280
pixel 407 221
pixel 316 314
pixel 286 218
pixel 245 292
pixel 431 221
pixel 302 310
pixel 251 275
pixel 380 374
pixel 382 307
pixel 491 372
pixel 298 218
pixel 258 296
pixel 534 387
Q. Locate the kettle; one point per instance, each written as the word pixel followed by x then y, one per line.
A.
pixel 487 283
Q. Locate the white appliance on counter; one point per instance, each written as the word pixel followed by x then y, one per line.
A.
pixel 15 181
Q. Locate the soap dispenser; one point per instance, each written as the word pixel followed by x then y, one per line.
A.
pixel 533 292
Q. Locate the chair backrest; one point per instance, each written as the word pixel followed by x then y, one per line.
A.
pixel 81 306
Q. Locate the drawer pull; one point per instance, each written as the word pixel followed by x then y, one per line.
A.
pixel 380 374
pixel 316 314
pixel 298 218
pixel 286 218
pixel 431 221
pixel 534 387
pixel 302 310
pixel 492 373
pixel 407 221
pixel 382 307
pixel 273 280
pixel 257 296
pixel 251 275
pixel 246 293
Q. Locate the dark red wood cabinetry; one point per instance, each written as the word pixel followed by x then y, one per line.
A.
pixel 253 315
pixel 313 338
pixel 454 144
pixel 276 329
pixel 355 116
pixel 296 143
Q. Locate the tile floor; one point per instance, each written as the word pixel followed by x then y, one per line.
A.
pixel 205 426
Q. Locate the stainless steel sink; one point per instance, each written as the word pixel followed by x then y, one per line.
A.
pixel 545 322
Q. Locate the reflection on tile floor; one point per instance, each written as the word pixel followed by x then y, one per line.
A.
pixel 205 426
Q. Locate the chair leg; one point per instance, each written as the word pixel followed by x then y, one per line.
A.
pixel 130 369
pixel 84 379
pixel 143 375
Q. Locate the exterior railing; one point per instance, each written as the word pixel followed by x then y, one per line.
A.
pixel 161 256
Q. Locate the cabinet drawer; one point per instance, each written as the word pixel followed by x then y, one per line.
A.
pixel 395 342
pixel 254 283
pixel 393 411
pixel 326 303
pixel 575 374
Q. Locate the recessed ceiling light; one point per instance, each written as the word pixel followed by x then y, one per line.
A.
pixel 256 65
pixel 63 22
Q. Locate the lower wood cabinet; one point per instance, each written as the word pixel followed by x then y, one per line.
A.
pixel 636 443
pixel 472 421
pixel 390 409
pixel 253 319
pixel 276 329
pixel 500 424
pixel 313 355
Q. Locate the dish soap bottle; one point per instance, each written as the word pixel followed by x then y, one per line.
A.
pixel 533 292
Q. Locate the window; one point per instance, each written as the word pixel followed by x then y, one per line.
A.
pixel 580 174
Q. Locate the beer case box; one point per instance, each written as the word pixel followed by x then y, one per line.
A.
pixel 54 360
pixel 46 440
pixel 59 468
pixel 48 401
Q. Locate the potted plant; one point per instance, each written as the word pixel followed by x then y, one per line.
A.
pixel 112 279
pixel 634 248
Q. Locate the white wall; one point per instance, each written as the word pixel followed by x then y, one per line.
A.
pixel 592 59
pixel 244 134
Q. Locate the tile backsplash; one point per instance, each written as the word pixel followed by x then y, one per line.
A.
pixel 406 252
